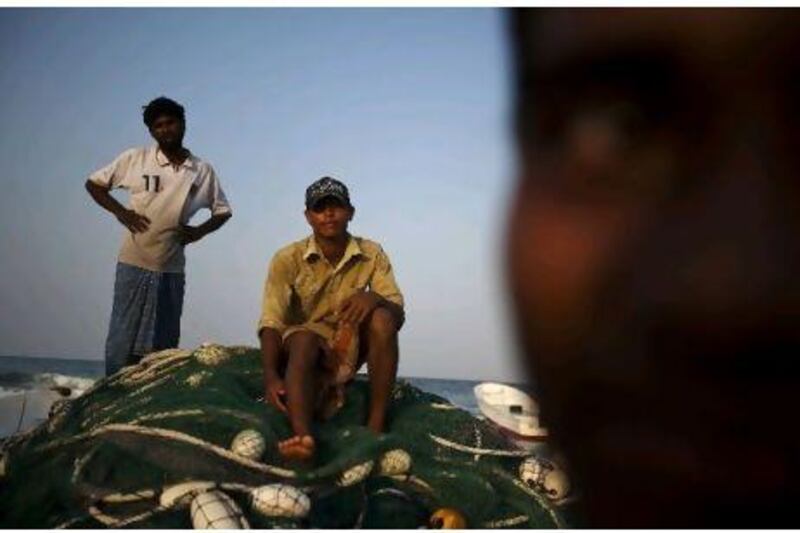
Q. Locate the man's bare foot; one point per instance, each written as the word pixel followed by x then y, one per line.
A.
pixel 297 448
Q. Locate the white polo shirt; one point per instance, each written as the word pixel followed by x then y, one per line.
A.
pixel 168 197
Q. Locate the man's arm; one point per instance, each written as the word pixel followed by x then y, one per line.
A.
pixel 383 292
pixel 192 234
pixel 127 217
pixel 356 308
pixel 270 350
pixel 274 389
pixel 275 302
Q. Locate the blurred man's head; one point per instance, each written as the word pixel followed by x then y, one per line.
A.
pixel 654 251
pixel 166 120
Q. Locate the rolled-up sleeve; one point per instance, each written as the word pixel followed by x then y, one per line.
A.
pixel 277 294
pixel 217 201
pixel 383 282
pixel 112 175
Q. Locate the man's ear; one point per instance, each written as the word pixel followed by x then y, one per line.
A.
pixel 307 215
pixel 352 212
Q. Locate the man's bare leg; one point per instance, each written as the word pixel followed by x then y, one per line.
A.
pixel 304 350
pixel 382 355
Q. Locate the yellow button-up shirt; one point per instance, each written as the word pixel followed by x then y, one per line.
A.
pixel 304 291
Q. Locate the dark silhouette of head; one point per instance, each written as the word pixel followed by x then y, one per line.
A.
pixel 653 254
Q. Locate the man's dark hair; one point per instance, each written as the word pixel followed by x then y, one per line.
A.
pixel 162 106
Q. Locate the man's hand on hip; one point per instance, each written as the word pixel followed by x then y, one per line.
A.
pixel 132 220
pixel 190 234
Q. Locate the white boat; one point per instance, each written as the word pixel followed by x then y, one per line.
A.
pixel 511 409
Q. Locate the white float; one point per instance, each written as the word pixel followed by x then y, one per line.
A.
pixel 216 510
pixel 355 474
pixel 280 500
pixel 544 476
pixel 249 443
pixel 394 463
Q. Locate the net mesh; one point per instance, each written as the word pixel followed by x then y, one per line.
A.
pixel 105 458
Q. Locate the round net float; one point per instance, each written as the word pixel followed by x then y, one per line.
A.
pixel 447 518
pixel 280 500
pixel 556 484
pixel 544 476
pixel 249 443
pixel 355 474
pixel 211 354
pixel 395 462
pixel 530 470
pixel 181 495
pixel 216 510
pixel 197 379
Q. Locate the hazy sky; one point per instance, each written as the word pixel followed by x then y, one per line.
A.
pixel 408 107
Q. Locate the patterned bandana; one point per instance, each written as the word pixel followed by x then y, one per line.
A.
pixel 326 187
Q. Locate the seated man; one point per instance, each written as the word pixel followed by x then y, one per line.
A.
pixel 330 303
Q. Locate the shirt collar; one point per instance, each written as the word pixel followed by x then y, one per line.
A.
pixel 352 250
pixel 162 160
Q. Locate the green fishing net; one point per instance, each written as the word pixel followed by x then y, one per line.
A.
pixel 105 458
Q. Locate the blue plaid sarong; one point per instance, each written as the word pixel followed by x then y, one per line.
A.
pixel 146 315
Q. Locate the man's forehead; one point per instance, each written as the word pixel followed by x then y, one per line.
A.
pixel 560 36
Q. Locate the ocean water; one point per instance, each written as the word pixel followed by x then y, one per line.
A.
pixel 19 374
pixel 34 377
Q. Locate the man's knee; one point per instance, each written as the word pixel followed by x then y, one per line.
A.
pixel 303 348
pixel 382 324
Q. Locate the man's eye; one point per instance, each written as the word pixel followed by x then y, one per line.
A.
pixel 594 135
pixel 572 120
pixel 607 152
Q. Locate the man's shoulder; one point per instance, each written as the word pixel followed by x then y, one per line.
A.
pixel 135 153
pixel 202 164
pixel 291 251
pixel 369 247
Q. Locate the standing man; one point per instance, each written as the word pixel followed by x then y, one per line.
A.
pixel 330 304
pixel 167 184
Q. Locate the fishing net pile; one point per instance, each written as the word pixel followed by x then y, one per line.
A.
pixel 184 439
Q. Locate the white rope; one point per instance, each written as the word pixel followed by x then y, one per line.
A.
pixel 412 479
pixel 506 522
pixel 94 423
pixel 156 383
pixel 242 416
pixel 114 408
pixel 167 414
pixel 476 451
pixel 134 371
pixel 118 523
pixel 130 497
pixel 478 442
pixel 541 500
pixel 69 522
pixel 177 436
pixel 79 463
pixel 103 518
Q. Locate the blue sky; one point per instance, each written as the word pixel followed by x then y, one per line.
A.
pixel 409 107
